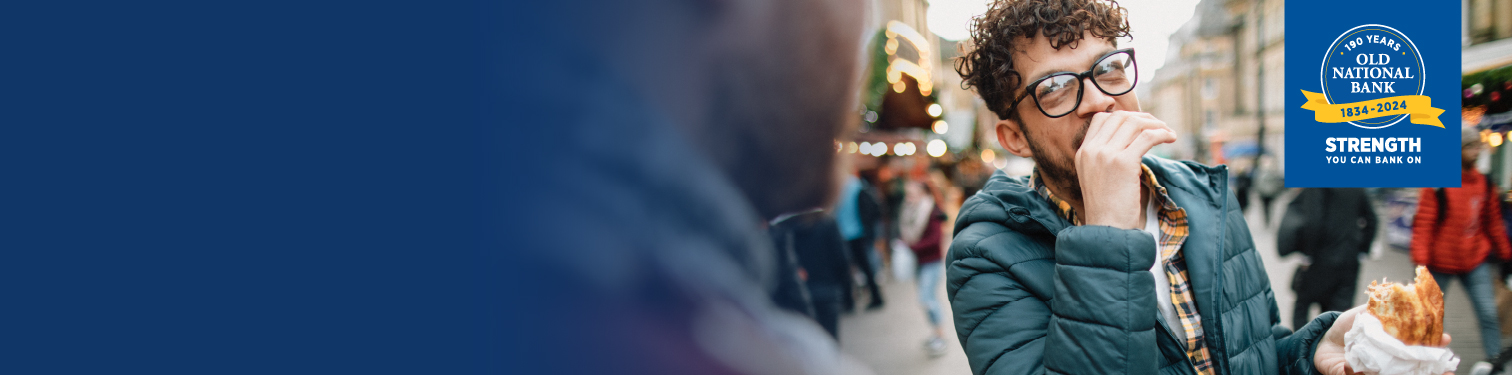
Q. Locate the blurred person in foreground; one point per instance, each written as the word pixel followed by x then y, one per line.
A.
pixel 823 266
pixel 1458 233
pixel 1104 260
pixel 858 213
pixel 1333 229
pixel 919 225
pixel 682 126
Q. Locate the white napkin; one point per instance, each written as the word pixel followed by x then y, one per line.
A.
pixel 1369 349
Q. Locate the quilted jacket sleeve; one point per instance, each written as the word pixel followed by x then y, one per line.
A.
pixel 1103 315
pixel 1100 320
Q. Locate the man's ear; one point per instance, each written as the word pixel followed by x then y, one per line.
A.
pixel 1010 135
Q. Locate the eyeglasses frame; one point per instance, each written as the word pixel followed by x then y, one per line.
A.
pixel 1081 88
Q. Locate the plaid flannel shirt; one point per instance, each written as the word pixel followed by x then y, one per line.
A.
pixel 1173 233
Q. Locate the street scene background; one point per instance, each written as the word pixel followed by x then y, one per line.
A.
pixel 1213 70
pixel 885 338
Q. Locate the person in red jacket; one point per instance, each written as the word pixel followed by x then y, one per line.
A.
pixel 919 223
pixel 1458 233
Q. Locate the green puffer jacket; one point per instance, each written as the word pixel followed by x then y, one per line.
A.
pixel 1032 294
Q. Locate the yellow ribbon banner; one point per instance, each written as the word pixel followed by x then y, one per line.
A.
pixel 1418 106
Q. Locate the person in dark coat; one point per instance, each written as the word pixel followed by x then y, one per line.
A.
pixel 1268 181
pixel 857 215
pixel 1242 183
pixel 791 293
pixel 1333 228
pixel 814 238
pixel 889 190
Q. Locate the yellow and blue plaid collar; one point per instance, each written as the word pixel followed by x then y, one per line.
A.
pixel 1069 213
pixel 1174 230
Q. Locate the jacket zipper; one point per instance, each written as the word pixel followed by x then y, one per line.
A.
pixel 1220 359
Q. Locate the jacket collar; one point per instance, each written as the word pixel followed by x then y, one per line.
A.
pixel 1192 186
pixel 1013 202
pixel 1200 190
pixel 1065 210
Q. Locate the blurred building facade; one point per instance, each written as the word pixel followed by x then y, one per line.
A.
pixel 1223 83
pixel 1486 79
pixel 897 98
pixel 912 100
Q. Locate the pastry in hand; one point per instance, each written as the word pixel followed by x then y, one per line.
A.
pixel 1413 313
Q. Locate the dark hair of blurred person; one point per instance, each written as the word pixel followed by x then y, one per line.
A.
pixel 684 125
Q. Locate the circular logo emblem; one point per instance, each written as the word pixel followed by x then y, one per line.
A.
pixel 1372 62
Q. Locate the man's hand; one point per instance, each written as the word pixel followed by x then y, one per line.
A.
pixel 1329 359
pixel 1108 164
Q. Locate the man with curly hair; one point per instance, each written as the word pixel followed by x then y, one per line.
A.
pixel 1105 260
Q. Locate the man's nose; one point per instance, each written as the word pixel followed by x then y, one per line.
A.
pixel 1093 100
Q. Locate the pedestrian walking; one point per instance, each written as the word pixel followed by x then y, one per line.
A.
pixel 889 188
pixel 919 225
pixel 857 216
pixel 1269 183
pixel 1458 233
pixel 813 238
pixel 791 293
pixel 1242 183
pixel 1332 228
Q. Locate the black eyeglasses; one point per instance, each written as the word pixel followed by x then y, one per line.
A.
pixel 1059 94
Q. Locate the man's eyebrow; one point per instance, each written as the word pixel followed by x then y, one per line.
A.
pixel 1046 72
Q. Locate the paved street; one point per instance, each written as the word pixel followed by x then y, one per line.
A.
pixel 891 339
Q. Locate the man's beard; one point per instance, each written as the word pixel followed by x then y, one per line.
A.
pixel 1060 170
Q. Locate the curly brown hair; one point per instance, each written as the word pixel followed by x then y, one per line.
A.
pixel 996 35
